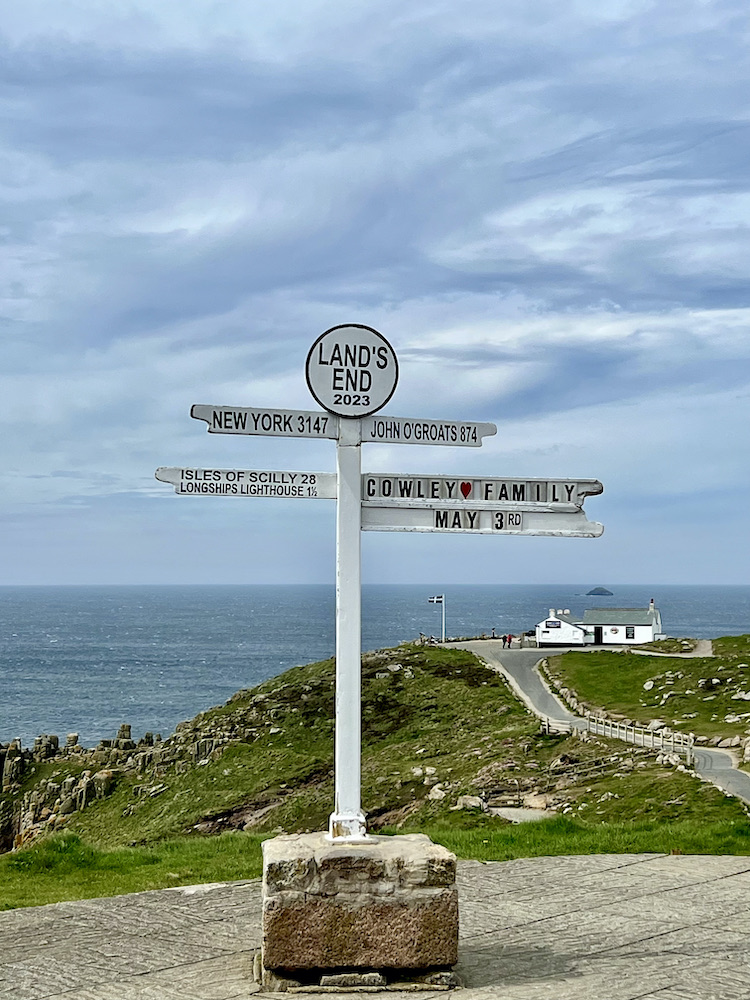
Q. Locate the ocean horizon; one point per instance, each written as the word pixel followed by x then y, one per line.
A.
pixel 87 658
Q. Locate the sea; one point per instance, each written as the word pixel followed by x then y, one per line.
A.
pixel 86 659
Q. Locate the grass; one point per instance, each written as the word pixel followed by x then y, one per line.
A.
pixel 691 694
pixel 563 836
pixel 732 646
pixel 437 724
pixel 669 645
pixel 65 867
pixel 441 719
pixel 433 711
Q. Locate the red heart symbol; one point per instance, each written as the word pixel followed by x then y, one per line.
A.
pixel 466 489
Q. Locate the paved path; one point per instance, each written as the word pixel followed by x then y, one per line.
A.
pixel 718 767
pixel 519 667
pixel 602 927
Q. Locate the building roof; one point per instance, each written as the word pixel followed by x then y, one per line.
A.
pixel 568 619
pixel 619 616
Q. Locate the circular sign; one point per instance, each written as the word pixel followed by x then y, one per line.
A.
pixel 352 370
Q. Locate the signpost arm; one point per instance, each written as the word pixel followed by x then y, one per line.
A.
pixel 347 822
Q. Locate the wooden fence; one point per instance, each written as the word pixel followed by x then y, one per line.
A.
pixel 658 739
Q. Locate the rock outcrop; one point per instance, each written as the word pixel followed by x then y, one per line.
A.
pixel 25 814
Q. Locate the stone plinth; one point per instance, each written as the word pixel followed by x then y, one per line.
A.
pixel 387 904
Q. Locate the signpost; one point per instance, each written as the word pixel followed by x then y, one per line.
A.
pixel 250 483
pixel 352 372
pixel 477 520
pixel 273 423
pixel 525 494
pixel 384 490
pixel 313 424
pixel 408 430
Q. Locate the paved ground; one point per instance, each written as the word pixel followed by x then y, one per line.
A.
pixel 607 927
pixel 519 667
pixel 718 767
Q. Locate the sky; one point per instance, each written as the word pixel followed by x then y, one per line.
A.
pixel 544 207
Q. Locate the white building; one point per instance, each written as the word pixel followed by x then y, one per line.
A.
pixel 559 629
pixel 600 627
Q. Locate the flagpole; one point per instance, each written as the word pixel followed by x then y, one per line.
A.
pixel 440 599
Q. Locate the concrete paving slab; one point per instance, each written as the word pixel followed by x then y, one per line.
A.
pixel 531 875
pixel 605 926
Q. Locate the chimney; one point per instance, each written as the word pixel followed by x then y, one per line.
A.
pixel 566 611
pixel 559 611
pixel 551 612
pixel 651 605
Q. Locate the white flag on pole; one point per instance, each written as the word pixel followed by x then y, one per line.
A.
pixel 435 600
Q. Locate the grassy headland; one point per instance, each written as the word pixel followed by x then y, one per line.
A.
pixel 445 744
pixel 709 696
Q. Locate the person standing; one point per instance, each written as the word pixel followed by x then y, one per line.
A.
pixel 505 640
pixel 510 640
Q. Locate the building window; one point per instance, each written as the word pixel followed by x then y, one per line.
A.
pixel 630 631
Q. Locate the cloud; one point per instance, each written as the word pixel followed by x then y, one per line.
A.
pixel 544 207
pixel 117 411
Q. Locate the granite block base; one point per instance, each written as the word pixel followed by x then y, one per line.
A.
pixel 387 904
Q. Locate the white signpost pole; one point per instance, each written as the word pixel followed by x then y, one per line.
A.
pixel 347 820
pixel 352 372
